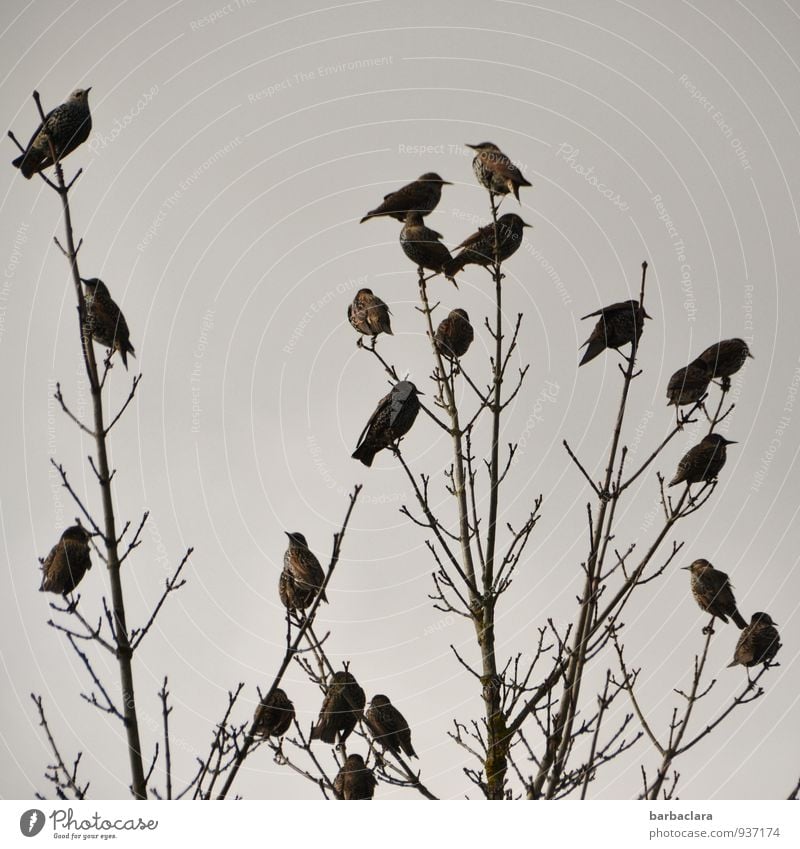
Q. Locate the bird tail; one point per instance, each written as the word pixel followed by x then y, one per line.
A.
pixel 370 214
pixel 676 480
pixel 324 731
pixel 24 166
pixel 596 347
pixel 732 663
pixel 365 454
pixel 453 266
pixel 737 618
pixel 409 750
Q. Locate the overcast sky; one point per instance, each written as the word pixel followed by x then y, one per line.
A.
pixel 234 149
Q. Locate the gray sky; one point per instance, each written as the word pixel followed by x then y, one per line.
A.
pixel 229 164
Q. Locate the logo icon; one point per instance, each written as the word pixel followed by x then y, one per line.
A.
pixel 31 822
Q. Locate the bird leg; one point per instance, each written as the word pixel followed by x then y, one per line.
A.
pixel 709 629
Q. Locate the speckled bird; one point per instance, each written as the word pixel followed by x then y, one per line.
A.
pixel 105 321
pixel 688 384
pixel 496 171
pixel 422 196
pixel 703 462
pixel 355 780
pixel 274 715
pixel 68 561
pixel 341 709
pixel 392 419
pixel 713 592
pixel 423 246
pixel 725 358
pixel 302 574
pixel 619 324
pixel 369 315
pixel 479 248
pixel 758 643
pixel 389 727
pixel 454 334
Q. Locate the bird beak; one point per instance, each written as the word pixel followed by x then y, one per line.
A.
pixel 686 567
pixel 644 313
pixel 88 90
pixel 525 224
pixel 731 442
pixel 472 146
pixel 447 183
pixel 288 534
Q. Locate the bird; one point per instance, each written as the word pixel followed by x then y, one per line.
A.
pixel 355 780
pixel 758 643
pixel 713 592
pixel 689 384
pixel 341 709
pixel 423 246
pixel 454 334
pixel 392 419
pixel 274 715
pixel 479 248
pixel 302 576
pixel 703 462
pixel 618 325
pixel 725 358
pixel 389 727
pixel 369 315
pixel 421 196
pixel 496 171
pixel 68 561
pixel 67 126
pixel 105 322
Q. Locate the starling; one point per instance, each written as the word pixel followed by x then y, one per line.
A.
pixel 391 420
pixel 689 384
pixel 454 335
pixel 389 727
pixel 713 592
pixel 421 196
pixel 725 358
pixel 496 171
pixel 479 248
pixel 423 246
pixel 758 643
pixel 63 569
pixel 369 314
pixel 619 324
pixel 273 715
pixel 341 709
pixel 355 780
pixel 703 461
pixel 67 126
pixel 302 575
pixel 104 320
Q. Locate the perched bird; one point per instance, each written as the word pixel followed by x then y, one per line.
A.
pixel 355 780
pixel 713 592
pixel 703 462
pixel 392 419
pixel 496 171
pixel 67 126
pixel 758 643
pixel 68 561
pixel 423 246
pixel 369 314
pixel 725 358
pixel 302 576
pixel 479 248
pixel 293 594
pixel 421 196
pixel 105 322
pixel 341 709
pixel 389 727
pixel 454 334
pixel 688 384
pixel 618 325
pixel 274 715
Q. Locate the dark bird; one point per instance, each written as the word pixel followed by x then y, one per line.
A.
pixel 703 462
pixel 389 727
pixel 302 576
pixel 454 335
pixel 274 715
pixel 725 358
pixel 688 384
pixel 421 196
pixel 423 246
pixel 104 320
pixel 369 314
pixel 392 419
pixel 618 325
pixel 68 561
pixel 496 171
pixel 758 643
pixel 355 780
pixel 341 709
pixel 67 126
pixel 713 592
pixel 479 248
